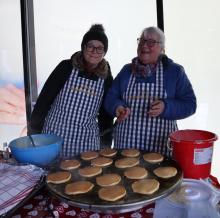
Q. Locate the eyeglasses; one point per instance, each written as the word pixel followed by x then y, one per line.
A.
pixel 91 48
pixel 149 42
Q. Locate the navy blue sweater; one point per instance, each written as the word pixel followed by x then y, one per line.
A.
pixel 180 102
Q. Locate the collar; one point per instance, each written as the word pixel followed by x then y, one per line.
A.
pixel 101 70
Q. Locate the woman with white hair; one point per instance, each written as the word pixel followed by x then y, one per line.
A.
pixel 148 96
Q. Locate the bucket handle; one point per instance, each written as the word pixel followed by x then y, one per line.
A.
pixel 169 145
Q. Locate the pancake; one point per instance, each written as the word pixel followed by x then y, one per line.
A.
pixel 112 193
pixel 130 152
pixel 89 155
pixel 101 161
pixel 90 171
pixel 145 186
pixel 126 162
pixel 108 152
pixel 58 177
pixel 108 179
pixel 136 173
pixel 69 164
pixel 165 172
pixel 78 187
pixel 153 157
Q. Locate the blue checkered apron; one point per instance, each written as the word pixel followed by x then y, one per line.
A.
pixel 139 130
pixel 73 115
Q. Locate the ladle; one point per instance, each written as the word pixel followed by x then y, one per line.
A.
pixel 32 140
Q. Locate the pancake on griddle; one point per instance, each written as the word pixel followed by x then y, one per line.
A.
pixel 153 157
pixel 126 162
pixel 101 161
pixel 108 179
pixel 90 171
pixel 165 172
pixel 78 187
pixel 136 173
pixel 130 152
pixel 89 155
pixel 112 193
pixel 108 152
pixel 69 164
pixel 58 177
pixel 145 186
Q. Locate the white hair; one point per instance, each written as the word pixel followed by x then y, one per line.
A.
pixel 157 31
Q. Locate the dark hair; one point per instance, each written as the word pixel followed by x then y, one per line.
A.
pixel 96 32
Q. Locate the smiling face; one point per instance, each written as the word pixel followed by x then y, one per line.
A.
pixel 149 48
pixel 93 53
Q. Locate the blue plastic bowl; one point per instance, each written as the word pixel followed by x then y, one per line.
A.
pixel 46 150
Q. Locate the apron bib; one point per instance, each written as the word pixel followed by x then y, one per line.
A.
pixel 139 130
pixel 73 115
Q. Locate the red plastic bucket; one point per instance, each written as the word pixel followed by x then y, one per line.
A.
pixel 193 150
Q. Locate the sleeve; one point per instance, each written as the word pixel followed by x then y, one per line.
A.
pixel 50 90
pixel 114 97
pixel 105 120
pixel 183 104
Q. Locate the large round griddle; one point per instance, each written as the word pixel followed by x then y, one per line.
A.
pixel 131 201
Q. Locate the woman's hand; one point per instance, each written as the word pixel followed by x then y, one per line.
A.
pixel 156 108
pixel 12 105
pixel 122 113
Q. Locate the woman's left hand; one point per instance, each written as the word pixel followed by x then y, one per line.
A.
pixel 156 108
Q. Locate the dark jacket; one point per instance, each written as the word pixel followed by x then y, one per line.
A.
pixel 50 90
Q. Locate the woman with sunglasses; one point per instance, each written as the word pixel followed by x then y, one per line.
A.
pixel 70 104
pixel 148 96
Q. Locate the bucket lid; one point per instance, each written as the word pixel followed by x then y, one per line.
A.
pixel 190 191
